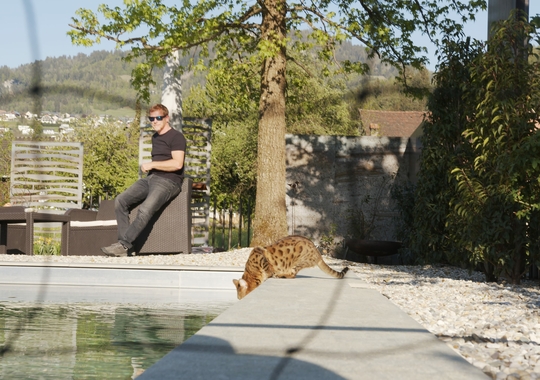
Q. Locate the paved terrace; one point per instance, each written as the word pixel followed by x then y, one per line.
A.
pixel 313 327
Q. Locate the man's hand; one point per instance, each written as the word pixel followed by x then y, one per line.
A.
pixel 146 167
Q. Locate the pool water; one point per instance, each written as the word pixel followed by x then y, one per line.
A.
pixel 84 341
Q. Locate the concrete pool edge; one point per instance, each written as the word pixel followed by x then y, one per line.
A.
pixel 51 264
pixel 123 275
pixel 313 327
pixel 116 283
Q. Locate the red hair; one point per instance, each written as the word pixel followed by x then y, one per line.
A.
pixel 159 107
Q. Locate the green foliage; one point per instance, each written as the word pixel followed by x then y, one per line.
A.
pixel 221 235
pixel 234 156
pixel 5 165
pixel 497 191
pixel 111 158
pixel 230 94
pixel 231 32
pixel 328 245
pixel 442 143
pixel 255 36
pixel 478 197
pixel 46 245
pixel 317 104
pixel 384 94
pixel 229 98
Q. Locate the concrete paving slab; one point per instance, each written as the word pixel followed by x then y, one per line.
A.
pixel 313 327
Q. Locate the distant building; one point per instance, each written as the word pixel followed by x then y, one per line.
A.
pixel 49 119
pixel 10 116
pixel 65 128
pixel 66 118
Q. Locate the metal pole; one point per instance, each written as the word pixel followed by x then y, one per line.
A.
pixel 223 225
pixel 499 10
pixel 214 224
pixel 230 226
pixel 240 223
pixel 249 223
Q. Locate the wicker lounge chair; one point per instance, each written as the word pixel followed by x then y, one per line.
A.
pixel 169 231
pixel 15 233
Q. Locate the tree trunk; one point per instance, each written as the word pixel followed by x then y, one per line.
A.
pixel 270 221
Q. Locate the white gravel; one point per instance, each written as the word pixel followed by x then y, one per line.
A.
pixel 495 326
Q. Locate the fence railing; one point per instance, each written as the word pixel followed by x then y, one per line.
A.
pixel 231 224
pixel 47 175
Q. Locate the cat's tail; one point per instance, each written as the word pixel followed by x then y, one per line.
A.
pixel 334 273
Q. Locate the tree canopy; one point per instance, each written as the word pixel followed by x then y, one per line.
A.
pixel 111 158
pixel 256 35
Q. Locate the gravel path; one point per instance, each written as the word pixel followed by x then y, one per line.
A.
pixel 495 326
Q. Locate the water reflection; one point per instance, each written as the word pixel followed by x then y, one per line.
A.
pixel 90 341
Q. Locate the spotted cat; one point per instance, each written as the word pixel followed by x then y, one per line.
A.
pixel 283 259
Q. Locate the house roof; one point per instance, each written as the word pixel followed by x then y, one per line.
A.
pixel 391 123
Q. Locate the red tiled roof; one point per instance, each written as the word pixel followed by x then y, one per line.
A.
pixel 391 123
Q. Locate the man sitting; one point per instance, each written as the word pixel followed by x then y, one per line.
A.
pixel 163 182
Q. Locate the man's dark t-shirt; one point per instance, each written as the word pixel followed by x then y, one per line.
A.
pixel 162 146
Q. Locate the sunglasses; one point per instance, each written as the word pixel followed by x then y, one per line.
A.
pixel 158 118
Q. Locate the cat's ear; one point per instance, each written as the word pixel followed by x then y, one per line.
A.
pixel 243 283
pixel 235 282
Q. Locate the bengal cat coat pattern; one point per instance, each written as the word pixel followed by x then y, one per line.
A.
pixel 283 259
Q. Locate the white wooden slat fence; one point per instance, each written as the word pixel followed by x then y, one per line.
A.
pixel 46 175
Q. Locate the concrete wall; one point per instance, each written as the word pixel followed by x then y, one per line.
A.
pixel 332 180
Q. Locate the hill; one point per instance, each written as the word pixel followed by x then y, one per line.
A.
pixel 99 83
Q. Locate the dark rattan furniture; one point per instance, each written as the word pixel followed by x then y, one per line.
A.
pixel 88 239
pixel 169 231
pixel 21 237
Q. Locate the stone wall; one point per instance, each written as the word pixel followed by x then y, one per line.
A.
pixel 337 185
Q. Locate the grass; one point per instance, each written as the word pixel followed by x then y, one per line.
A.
pixel 222 240
pixel 47 245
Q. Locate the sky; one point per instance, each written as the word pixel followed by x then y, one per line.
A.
pixel 36 29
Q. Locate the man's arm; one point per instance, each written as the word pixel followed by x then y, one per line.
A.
pixel 172 165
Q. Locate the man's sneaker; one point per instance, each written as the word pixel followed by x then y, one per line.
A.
pixel 115 250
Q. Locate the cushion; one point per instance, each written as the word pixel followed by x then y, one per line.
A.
pixel 92 223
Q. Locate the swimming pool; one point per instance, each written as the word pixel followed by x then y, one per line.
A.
pixel 91 341
pixel 52 328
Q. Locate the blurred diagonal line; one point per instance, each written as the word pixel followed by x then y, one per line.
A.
pixel 32 313
pixel 32 30
pixel 36 93
pixel 35 89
